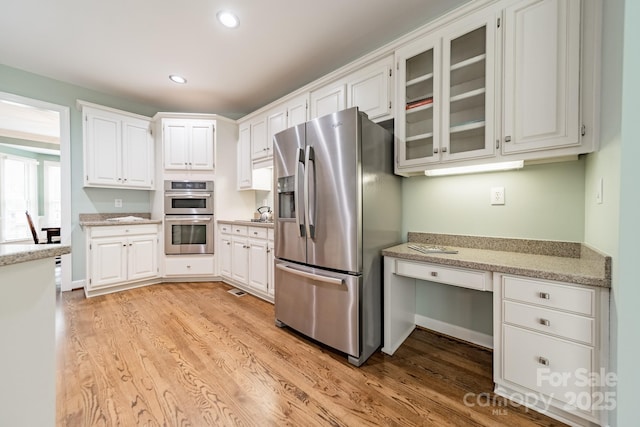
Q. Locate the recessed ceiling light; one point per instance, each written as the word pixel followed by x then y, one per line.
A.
pixel 228 19
pixel 177 79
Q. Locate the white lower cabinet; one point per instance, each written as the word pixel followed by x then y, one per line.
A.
pixel 120 255
pixel 189 265
pixel 550 347
pixel 246 258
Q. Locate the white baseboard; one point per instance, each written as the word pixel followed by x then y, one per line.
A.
pixel 455 331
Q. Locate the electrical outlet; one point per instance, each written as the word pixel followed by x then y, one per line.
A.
pixel 118 203
pixel 497 196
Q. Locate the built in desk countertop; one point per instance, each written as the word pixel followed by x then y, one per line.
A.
pixel 561 261
pixel 104 220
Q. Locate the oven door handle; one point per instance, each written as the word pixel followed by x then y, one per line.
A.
pixel 189 220
pixel 189 195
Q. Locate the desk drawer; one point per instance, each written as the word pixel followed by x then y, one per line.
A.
pixel 547 294
pixel 565 325
pixel 472 279
pixel 537 361
pixel 183 265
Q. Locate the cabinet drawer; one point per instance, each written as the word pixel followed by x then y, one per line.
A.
pixel 473 279
pixel 545 364
pixel 565 325
pixel 240 230
pixel 547 294
pixel 181 265
pixel 225 228
pixel 123 230
pixel 257 232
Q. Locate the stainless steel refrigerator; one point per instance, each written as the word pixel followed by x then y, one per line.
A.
pixel 338 204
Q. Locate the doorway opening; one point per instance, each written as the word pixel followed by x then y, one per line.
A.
pixel 35 171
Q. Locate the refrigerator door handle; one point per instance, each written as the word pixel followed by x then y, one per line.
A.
pixel 296 193
pixel 317 277
pixel 310 157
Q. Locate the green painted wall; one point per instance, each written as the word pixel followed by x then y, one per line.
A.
pixel 542 202
pixel 626 289
pixel 83 200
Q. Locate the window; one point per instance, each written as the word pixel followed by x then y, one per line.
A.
pixel 18 193
pixel 52 193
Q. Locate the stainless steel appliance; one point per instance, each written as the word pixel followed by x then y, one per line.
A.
pixel 188 221
pixel 188 197
pixel 338 204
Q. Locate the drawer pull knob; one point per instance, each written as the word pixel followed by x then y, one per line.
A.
pixel 434 273
pixel 543 361
pixel 255 232
pixel 545 322
pixel 544 295
pixel 188 266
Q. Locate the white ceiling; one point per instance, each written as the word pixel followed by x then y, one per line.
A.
pixel 129 47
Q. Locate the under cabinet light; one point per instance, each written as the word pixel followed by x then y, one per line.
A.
pixel 489 167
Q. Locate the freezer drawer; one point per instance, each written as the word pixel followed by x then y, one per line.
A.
pixel 321 304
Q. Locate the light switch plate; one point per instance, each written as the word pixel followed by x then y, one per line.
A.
pixel 497 196
pixel 118 203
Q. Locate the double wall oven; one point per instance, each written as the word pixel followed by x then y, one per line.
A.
pixel 188 221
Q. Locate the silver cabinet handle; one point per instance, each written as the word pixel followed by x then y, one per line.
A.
pixel 543 361
pixel 255 233
pixel 434 273
pixel 545 322
pixel 444 149
pixel 544 295
pixel 507 139
pixel 435 151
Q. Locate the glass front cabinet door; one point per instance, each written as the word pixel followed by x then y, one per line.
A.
pixel 446 96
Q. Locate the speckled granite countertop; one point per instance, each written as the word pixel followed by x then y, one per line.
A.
pixel 563 261
pixel 14 254
pixel 101 220
pixel 243 222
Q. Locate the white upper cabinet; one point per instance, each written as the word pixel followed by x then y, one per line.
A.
pixel 188 144
pixel 328 99
pixel 445 95
pixel 259 140
pixel 542 75
pixel 468 93
pixel 118 148
pixel 244 157
pixel 297 110
pixel 368 88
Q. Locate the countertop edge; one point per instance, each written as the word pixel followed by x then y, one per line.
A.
pixel 105 223
pixel 33 253
pixel 245 222
pixel 577 279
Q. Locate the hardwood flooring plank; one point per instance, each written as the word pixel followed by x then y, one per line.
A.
pixel 191 354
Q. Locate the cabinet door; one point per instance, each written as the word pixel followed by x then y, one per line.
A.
pixel 137 158
pixel 108 261
pixel 142 259
pixel 225 256
pixel 259 139
pixel 258 274
pixel 201 155
pixel 369 89
pixel 102 144
pixel 176 144
pixel 297 110
pixel 468 92
pixel 270 269
pixel 327 100
pixel 276 122
pixel 244 157
pixel 240 260
pixel 417 124
pixel 541 75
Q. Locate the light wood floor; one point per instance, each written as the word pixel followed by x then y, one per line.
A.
pixel 191 354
